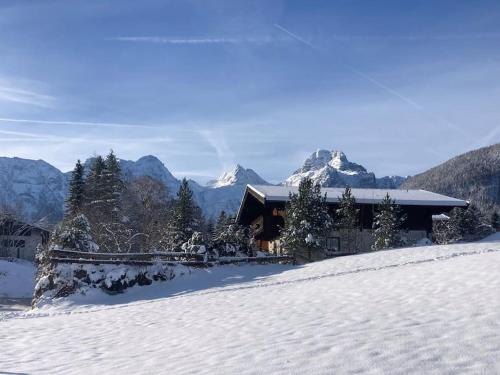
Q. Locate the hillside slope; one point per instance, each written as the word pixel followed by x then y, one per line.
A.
pixel 474 176
pixel 408 311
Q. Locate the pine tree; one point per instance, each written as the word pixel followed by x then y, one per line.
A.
pixel 113 187
pixel 386 225
pixel 185 219
pixel 220 225
pixel 471 221
pixel 94 184
pixel 76 190
pixel 307 222
pixel 103 190
pixel 495 221
pixel 347 219
pixel 231 237
pixel 209 229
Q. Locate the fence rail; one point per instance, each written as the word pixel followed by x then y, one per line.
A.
pixel 145 259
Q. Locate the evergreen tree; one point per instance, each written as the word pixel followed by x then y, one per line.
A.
pixel 113 187
pixel 76 190
pixel 471 221
pixel 347 219
pixel 495 221
pixel 210 229
pixel 386 225
pixel 103 193
pixel 307 222
pixel 220 225
pixel 74 234
pixel 94 184
pixel 185 220
pixel 231 237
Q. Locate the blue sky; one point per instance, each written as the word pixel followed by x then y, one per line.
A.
pixel 399 86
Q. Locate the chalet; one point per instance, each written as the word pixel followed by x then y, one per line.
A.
pixel 263 209
pixel 20 240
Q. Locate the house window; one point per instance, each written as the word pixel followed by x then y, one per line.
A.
pixel 278 212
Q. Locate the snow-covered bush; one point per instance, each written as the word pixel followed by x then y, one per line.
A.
pixel 64 279
pixel 74 234
pixel 196 244
pixel 231 238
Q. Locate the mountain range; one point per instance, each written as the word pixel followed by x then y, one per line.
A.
pixel 34 189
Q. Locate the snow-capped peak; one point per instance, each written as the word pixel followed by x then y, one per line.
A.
pixel 237 176
pixel 333 169
pixel 334 159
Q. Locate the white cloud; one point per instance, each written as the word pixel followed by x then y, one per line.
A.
pixel 22 93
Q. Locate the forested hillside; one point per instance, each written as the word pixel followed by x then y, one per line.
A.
pixel 474 175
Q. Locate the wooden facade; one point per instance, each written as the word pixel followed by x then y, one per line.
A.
pixel 266 217
pixel 20 240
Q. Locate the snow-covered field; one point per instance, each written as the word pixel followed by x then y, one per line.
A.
pixel 16 278
pixel 427 310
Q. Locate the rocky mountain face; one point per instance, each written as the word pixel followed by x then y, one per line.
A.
pixel 226 192
pixel 473 176
pixel 32 189
pixel 222 194
pixel 238 176
pixel 333 169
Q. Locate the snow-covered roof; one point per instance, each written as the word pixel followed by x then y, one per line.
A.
pixel 366 196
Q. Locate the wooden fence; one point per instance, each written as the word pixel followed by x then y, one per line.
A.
pixel 145 259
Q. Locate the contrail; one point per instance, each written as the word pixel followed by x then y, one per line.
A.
pixel 377 83
pixel 295 36
pixel 193 41
pixel 76 123
pixel 354 70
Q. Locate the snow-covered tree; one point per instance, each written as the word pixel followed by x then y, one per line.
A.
pixel 186 218
pixel 231 237
pixel 472 219
pixel 307 222
pixel 74 234
pixel 196 244
pixel 386 224
pixel 220 225
pixel 103 206
pixel 113 187
pixel 347 219
pixel 75 199
pixel 94 185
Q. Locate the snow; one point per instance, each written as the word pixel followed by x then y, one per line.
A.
pixel 425 310
pixel 33 188
pixel 368 196
pixel 332 169
pixel 16 278
pixel 237 176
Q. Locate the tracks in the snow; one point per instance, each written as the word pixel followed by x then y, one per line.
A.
pixel 251 286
